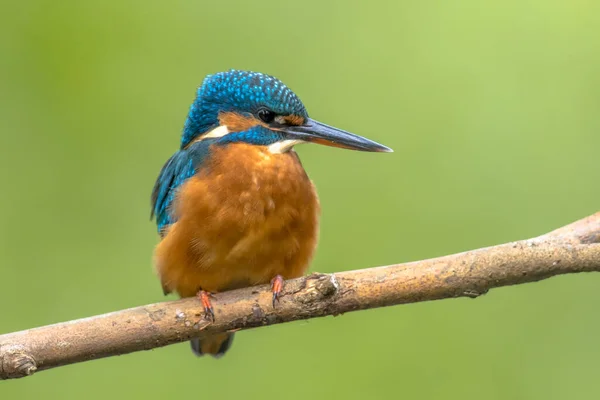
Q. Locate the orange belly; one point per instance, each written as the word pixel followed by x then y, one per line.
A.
pixel 247 216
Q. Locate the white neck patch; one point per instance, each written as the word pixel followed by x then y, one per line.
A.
pixel 218 132
pixel 283 146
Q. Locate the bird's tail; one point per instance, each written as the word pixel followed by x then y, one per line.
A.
pixel 215 345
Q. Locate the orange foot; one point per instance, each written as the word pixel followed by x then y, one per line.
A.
pixel 204 297
pixel 276 288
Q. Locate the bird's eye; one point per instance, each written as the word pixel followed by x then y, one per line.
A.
pixel 266 115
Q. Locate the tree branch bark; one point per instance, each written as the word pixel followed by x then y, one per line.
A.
pixel 570 249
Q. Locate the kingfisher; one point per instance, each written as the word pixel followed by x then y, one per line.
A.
pixel 233 206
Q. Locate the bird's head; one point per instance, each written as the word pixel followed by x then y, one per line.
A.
pixel 250 107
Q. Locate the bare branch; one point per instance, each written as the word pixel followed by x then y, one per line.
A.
pixel 570 249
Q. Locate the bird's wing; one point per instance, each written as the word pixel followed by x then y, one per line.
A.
pixel 180 167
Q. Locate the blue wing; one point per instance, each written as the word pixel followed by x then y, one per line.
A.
pixel 180 167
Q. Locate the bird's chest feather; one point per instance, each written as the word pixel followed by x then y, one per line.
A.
pixel 245 217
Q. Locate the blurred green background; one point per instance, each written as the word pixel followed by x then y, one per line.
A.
pixel 492 108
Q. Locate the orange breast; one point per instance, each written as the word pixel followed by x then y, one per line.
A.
pixel 246 217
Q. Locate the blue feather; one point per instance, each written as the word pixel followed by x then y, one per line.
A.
pixel 242 91
pixel 238 91
pixel 258 135
pixel 178 169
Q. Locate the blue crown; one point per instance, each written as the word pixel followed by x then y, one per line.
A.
pixel 240 91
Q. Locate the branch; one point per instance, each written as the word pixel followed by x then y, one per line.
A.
pixel 570 249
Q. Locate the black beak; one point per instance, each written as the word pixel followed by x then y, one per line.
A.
pixel 317 132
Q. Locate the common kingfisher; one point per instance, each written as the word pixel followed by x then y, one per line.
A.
pixel 234 207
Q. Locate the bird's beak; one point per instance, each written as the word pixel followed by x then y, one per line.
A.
pixel 317 132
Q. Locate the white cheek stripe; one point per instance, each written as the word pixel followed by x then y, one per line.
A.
pixel 283 146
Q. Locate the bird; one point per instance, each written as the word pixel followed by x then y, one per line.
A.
pixel 234 206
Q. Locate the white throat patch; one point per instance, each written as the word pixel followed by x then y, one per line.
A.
pixel 283 146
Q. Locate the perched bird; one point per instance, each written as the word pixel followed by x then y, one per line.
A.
pixel 234 207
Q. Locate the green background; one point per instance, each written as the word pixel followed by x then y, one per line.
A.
pixel 491 107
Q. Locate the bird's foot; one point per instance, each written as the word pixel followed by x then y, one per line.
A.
pixel 276 288
pixel 204 297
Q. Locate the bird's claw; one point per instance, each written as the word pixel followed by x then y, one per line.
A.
pixel 276 288
pixel 204 297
